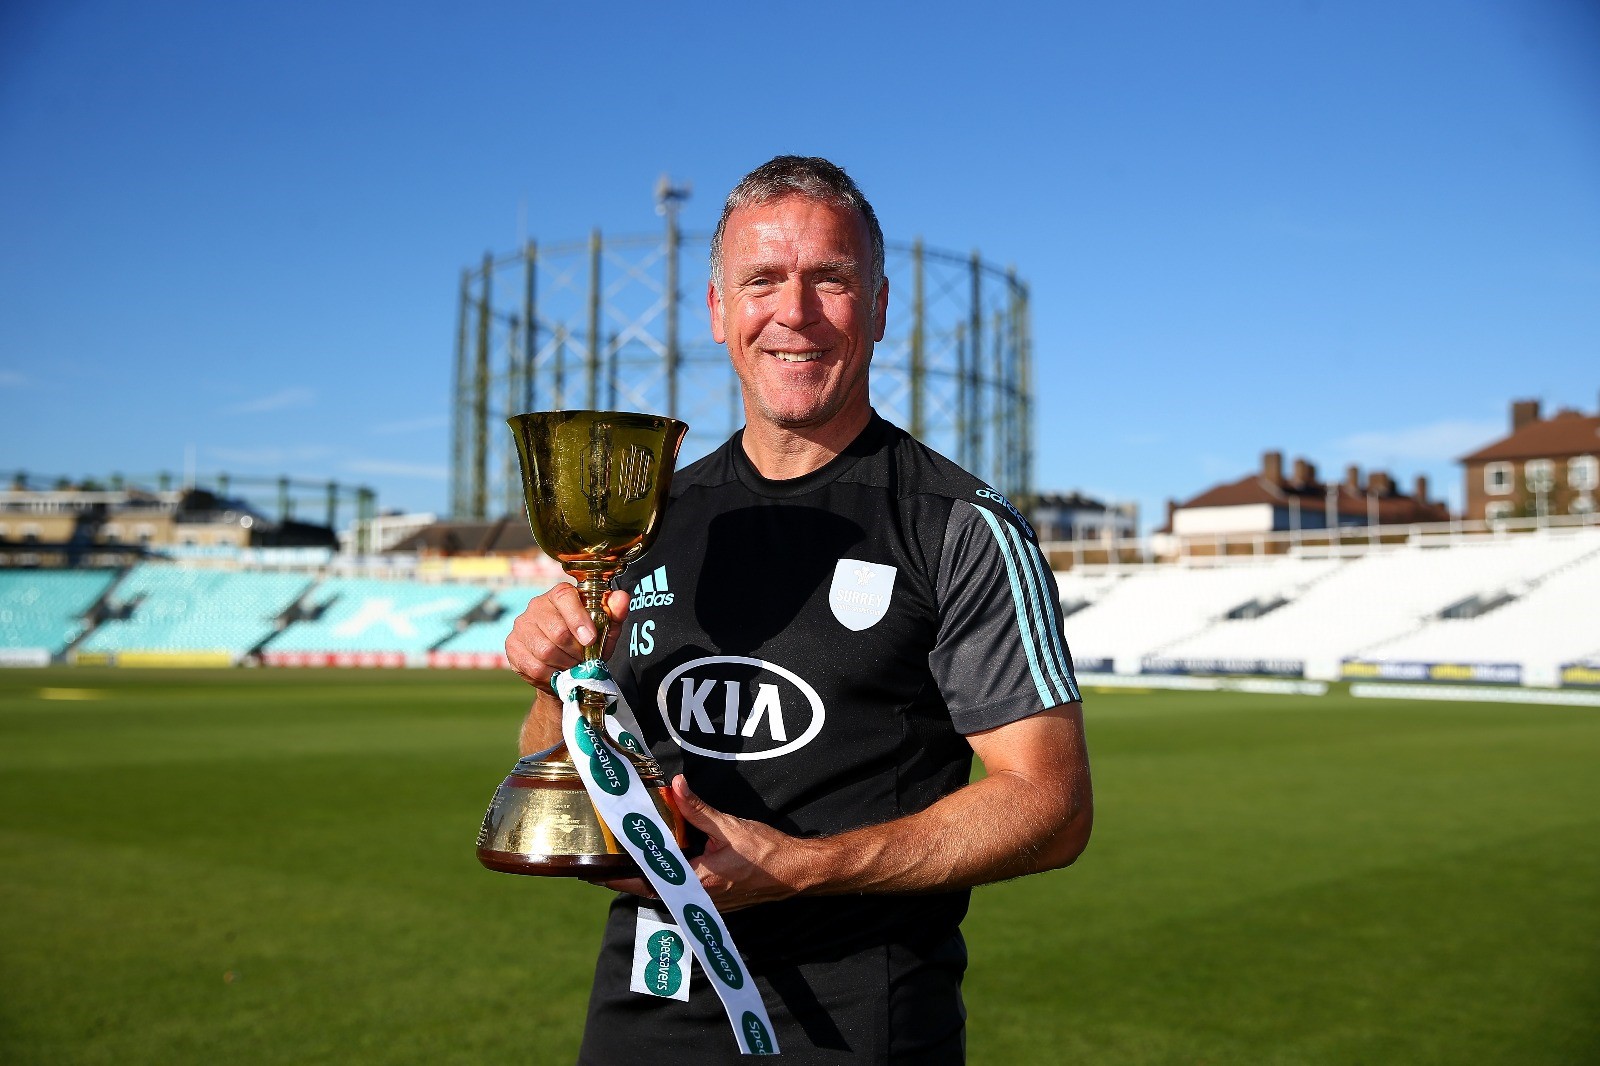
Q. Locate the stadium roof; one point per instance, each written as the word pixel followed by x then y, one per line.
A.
pixel 505 535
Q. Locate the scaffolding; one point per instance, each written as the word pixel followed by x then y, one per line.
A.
pixel 608 323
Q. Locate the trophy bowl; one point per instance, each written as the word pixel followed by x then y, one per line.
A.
pixel 596 484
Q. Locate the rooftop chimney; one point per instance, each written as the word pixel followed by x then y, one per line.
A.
pixel 1523 412
pixel 1352 478
pixel 1305 474
pixel 1422 488
pixel 1272 467
pixel 1379 483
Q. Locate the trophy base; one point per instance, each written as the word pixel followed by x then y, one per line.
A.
pixel 589 867
pixel 541 822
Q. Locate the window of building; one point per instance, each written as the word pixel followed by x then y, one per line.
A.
pixel 1540 475
pixel 1582 503
pixel 1498 478
pixel 1583 473
pixel 1498 511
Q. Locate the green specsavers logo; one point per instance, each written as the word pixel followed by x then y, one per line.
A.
pixel 756 1037
pixel 652 841
pixel 608 771
pixel 699 923
pixel 662 974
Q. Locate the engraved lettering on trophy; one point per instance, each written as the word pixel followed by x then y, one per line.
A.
pixel 597 476
pixel 633 474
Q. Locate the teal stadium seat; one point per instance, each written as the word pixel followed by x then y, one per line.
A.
pixel 373 622
pixel 41 611
pixel 181 611
pixel 482 644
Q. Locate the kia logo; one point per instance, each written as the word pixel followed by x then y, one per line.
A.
pixel 737 708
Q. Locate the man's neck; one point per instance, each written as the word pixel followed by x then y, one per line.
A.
pixel 780 453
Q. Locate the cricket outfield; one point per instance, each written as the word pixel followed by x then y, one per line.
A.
pixel 277 867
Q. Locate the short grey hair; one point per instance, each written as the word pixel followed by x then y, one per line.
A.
pixel 796 175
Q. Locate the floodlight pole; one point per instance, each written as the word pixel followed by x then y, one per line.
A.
pixel 480 398
pixel 594 320
pixel 668 199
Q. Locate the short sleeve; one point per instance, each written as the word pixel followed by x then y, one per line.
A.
pixel 1001 654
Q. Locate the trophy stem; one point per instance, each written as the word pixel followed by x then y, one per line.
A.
pixel 592 587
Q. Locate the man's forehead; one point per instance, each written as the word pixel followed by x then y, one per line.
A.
pixel 796 218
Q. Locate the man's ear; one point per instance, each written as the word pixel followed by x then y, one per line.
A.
pixel 880 311
pixel 714 306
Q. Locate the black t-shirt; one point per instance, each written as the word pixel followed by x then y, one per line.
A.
pixel 811 652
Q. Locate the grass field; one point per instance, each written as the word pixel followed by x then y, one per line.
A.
pixel 277 867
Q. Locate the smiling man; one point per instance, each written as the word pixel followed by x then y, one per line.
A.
pixel 837 619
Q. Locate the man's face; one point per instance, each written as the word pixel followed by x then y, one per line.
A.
pixel 797 311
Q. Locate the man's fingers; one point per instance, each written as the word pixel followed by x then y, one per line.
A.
pixel 570 605
pixel 703 817
pixel 617 608
pixel 636 885
pixel 617 604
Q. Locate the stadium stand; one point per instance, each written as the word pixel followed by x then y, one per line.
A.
pixel 178 615
pixel 1551 622
pixel 1364 603
pixel 43 611
pixel 369 622
pixel 482 643
pixel 1508 608
pixel 1154 606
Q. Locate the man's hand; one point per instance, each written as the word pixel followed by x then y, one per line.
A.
pixel 550 636
pixel 744 862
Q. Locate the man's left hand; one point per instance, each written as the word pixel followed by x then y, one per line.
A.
pixel 744 862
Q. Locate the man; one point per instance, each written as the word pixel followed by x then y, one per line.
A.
pixel 837 619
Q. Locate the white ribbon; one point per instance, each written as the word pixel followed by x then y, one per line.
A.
pixel 628 811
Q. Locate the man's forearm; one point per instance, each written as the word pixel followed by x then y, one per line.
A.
pixel 542 728
pixel 996 828
pixel 1032 812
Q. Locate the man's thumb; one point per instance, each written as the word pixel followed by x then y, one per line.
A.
pixel 699 814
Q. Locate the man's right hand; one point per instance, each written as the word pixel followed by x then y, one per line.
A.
pixel 551 634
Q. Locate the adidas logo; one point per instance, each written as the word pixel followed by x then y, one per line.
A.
pixel 652 591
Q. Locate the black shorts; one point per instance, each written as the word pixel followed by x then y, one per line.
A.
pixel 882 1004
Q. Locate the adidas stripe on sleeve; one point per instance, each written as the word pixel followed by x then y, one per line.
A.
pixel 1000 654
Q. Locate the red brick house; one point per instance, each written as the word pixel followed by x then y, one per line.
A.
pixel 1273 500
pixel 1544 467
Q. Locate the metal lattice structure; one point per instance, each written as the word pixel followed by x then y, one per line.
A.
pixel 621 324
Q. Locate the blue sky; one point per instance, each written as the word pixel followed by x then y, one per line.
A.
pixel 1353 231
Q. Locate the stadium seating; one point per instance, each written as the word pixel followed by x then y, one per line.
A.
pixel 41 611
pixel 1149 608
pixel 483 643
pixel 177 611
pixel 1367 602
pixel 1554 623
pixel 1506 609
pixel 371 622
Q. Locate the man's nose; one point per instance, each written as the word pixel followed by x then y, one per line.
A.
pixel 797 304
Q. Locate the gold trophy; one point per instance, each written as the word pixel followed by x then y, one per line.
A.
pixel 596 484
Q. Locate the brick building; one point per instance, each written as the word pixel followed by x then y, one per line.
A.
pixel 1543 468
pixel 1275 500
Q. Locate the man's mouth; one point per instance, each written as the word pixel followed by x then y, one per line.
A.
pixel 795 357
